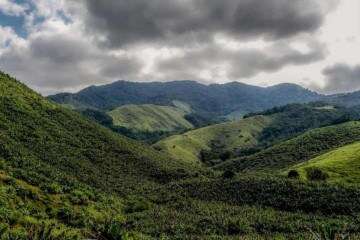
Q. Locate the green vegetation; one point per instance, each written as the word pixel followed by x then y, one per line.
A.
pixel 63 176
pixel 150 118
pixel 226 136
pixel 214 100
pixel 299 149
pixel 42 138
pixel 294 119
pixel 342 164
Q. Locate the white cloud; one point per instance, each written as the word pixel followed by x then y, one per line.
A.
pixel 11 8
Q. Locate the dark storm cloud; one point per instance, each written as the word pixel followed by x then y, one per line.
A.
pixel 241 63
pixel 183 22
pixel 342 78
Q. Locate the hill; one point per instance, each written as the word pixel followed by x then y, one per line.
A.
pixel 299 149
pixel 149 117
pixel 192 146
pixel 65 177
pixel 217 143
pixel 208 100
pixel 37 134
pixel 341 165
pixel 344 99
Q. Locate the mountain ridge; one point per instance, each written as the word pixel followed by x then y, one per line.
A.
pixel 214 100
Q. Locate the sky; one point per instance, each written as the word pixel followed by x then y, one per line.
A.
pixel 66 45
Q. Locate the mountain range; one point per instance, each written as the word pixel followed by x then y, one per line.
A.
pixel 214 99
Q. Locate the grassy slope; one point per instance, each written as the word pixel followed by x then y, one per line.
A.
pixel 46 139
pixel 342 164
pixel 46 148
pixel 298 149
pixel 150 118
pixel 30 212
pixel 233 135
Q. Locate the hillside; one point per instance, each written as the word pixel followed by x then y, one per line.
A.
pixel 299 149
pixel 341 165
pixel 218 143
pixel 37 134
pixel 149 117
pixel 63 177
pixel 208 100
pixel 345 99
pixel 228 136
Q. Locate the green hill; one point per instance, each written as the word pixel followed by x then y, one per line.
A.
pixel 35 133
pixel 63 177
pixel 299 149
pixel 217 143
pixel 151 118
pixel 342 165
pixel 227 136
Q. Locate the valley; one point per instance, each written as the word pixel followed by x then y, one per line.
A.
pixel 287 172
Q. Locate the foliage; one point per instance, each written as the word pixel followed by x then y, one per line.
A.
pixel 215 141
pixel 341 164
pixel 316 174
pixel 299 149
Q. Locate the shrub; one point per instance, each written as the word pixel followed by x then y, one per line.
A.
pixel 228 174
pixel 225 156
pixel 316 174
pixel 115 227
pixel 238 227
pixel 293 174
pixel 53 188
pixel 18 233
pixel 80 197
pixel 137 205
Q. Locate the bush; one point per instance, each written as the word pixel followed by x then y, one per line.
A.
pixel 316 174
pixel 228 174
pixel 137 205
pixel 238 227
pixel 52 188
pixel 293 174
pixel 116 228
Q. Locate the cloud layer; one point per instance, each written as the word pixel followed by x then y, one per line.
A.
pixel 181 22
pixel 72 44
pixel 342 78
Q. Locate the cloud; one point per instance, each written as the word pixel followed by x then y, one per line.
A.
pixel 237 63
pixel 341 78
pixel 72 44
pixel 11 8
pixel 59 61
pixel 182 22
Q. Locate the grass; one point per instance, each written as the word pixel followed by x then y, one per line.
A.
pixel 64 177
pixel 342 164
pixel 299 149
pixel 231 135
pixel 150 118
pixel 38 134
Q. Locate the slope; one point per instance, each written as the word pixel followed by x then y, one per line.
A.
pixel 341 165
pixel 149 117
pixel 47 142
pixel 299 149
pixel 228 136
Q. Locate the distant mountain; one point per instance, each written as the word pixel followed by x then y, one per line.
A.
pixel 215 99
pixel 344 99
